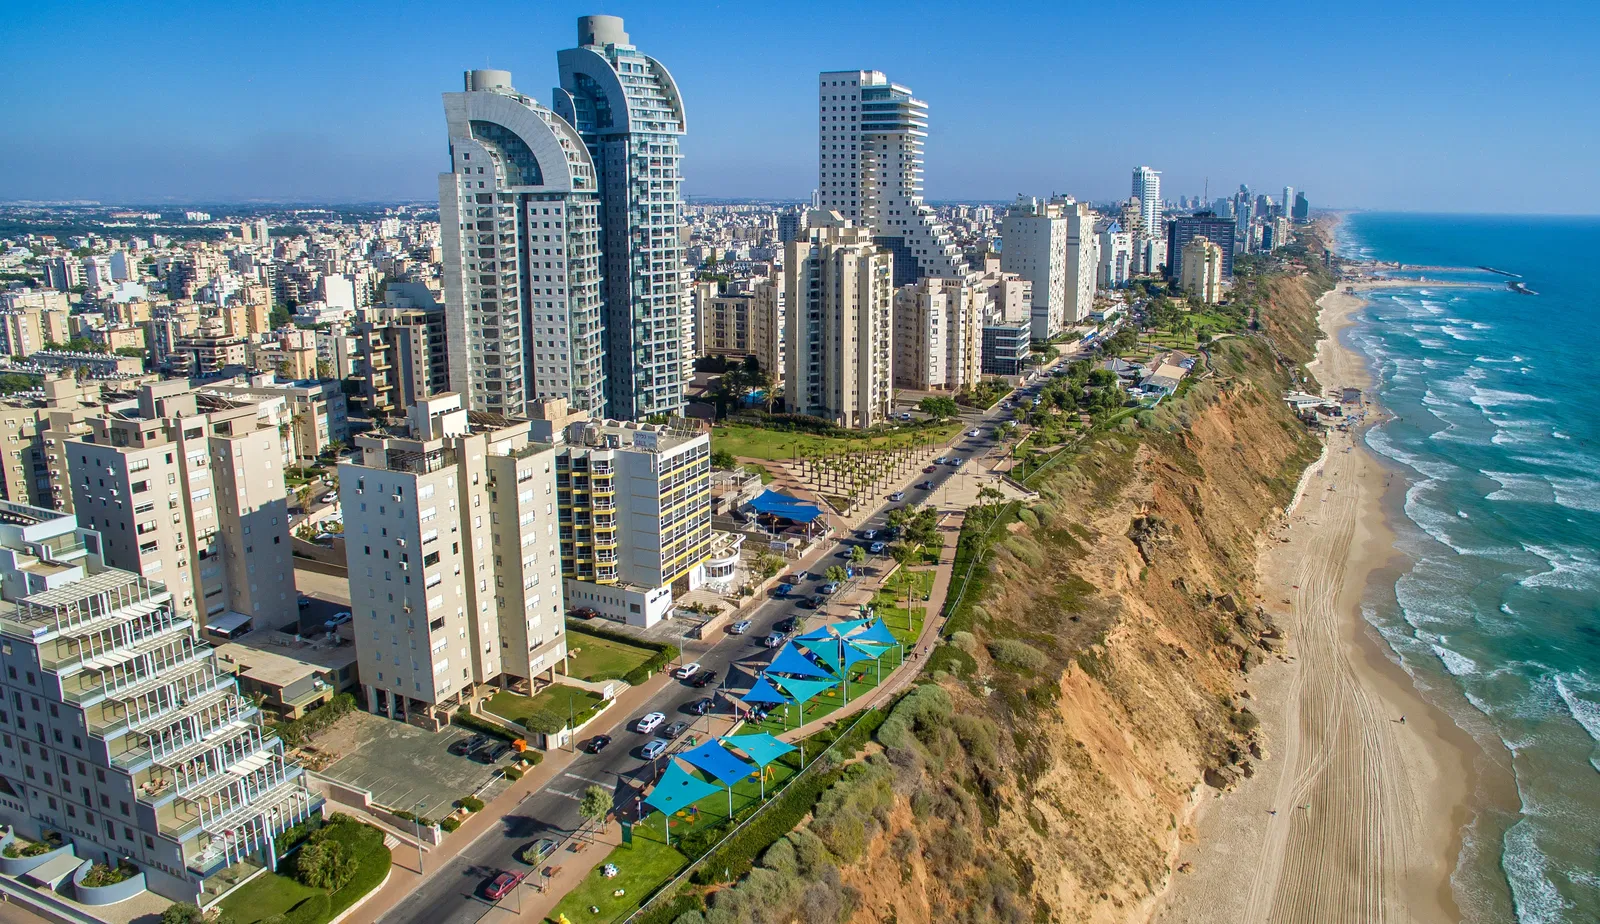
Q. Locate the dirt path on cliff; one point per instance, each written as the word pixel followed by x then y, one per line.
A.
pixel 1353 819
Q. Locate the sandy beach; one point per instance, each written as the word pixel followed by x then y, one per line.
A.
pixel 1353 815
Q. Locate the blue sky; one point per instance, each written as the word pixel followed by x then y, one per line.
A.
pixel 1464 106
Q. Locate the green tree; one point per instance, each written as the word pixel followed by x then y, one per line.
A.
pixel 858 555
pixel 596 804
pixel 723 459
pixel 768 564
pixel 837 574
pixel 938 408
pixel 325 863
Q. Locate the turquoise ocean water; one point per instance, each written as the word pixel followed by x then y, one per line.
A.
pixel 1497 612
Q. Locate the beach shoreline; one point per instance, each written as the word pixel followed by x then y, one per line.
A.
pixel 1353 815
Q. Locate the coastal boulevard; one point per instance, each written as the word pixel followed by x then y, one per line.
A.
pixel 453 893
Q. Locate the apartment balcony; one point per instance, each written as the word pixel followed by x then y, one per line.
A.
pixel 244 829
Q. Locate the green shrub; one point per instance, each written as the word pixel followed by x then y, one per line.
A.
pixel 183 913
pixel 100 875
pixel 512 774
pixel 325 863
pixel 471 803
pixel 666 911
pixel 467 720
pixel 1015 653
pixel 531 758
pixel 298 731
pixel 365 843
pixel 449 824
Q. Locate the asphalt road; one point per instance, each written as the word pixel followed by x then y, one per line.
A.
pixel 453 894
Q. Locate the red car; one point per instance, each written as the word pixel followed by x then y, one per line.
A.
pixel 931 468
pixel 500 886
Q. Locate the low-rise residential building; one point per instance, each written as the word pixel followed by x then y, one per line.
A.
pixel 288 676
pixel 454 559
pixel 635 503
pixel 744 321
pixel 1006 348
pixel 138 745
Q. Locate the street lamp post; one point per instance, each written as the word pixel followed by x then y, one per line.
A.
pixel 416 819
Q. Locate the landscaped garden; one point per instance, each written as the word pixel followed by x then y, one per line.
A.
pixel 336 865
pixel 549 710
pixel 759 443
pixel 641 867
pixel 596 659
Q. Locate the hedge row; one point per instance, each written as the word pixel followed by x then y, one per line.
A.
pixel 785 812
pixel 467 720
pixel 664 654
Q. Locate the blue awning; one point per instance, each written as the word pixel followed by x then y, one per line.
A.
pixel 716 760
pixel 782 505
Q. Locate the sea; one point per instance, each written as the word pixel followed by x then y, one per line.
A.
pixel 1496 610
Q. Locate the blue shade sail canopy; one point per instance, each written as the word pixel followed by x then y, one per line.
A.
pixel 760 747
pixel 764 692
pixel 791 661
pixel 677 789
pixel 804 691
pixel 716 760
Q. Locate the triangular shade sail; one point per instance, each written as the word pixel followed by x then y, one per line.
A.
pixel 791 661
pixel 676 790
pixel 805 690
pixel 718 761
pixel 763 692
pixel 814 635
pixel 832 652
pixel 873 651
pixel 760 747
pixel 848 626
pixel 877 633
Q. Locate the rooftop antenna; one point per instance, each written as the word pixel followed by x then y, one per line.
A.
pixel 1205 197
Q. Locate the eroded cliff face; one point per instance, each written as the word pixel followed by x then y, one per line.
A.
pixel 1132 574
pixel 1045 770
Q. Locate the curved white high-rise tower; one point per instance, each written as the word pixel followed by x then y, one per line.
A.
pixel 519 225
pixel 870 135
pixel 627 108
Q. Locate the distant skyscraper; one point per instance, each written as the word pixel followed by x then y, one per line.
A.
pixel 1302 208
pixel 627 108
pixel 519 225
pixel 1147 188
pixel 870 134
pixel 1182 230
pixel 1287 203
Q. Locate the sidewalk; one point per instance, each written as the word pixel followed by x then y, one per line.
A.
pixel 404 878
pixel 903 676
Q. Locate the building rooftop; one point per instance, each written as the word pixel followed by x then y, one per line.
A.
pixel 278 659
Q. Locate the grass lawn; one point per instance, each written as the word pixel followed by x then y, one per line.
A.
pixel 641 867
pixel 756 443
pixel 275 893
pixel 553 700
pixel 264 896
pixel 601 658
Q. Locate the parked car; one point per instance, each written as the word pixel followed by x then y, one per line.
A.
pixel 925 485
pixel 773 640
pixel 785 624
pixel 649 723
pixel 672 731
pixel 467 745
pixel 535 852
pixel 687 671
pixel 330 498
pixel 484 754
pixel 876 548
pixel 817 600
pixel 829 589
pixel 597 744
pixel 784 589
pixel 501 886
pixel 869 534
pixel 904 415
pixel 974 433
pixel 706 679
pixel 898 496
pixel 892 533
pixel 497 752
pixel 702 706
pixel 339 619
pixel 655 748
pixel 740 627
pixel 810 603
pixel 930 469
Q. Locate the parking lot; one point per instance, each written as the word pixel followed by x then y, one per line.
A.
pixel 402 765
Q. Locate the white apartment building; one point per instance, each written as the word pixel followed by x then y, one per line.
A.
pixel 453 558
pixel 839 297
pixel 870 136
pixel 745 321
pixel 1116 254
pixel 118 730
pixel 938 334
pixel 520 230
pixel 635 506
pixel 1083 262
pixel 188 489
pixel 1147 189
pixel 1033 244
pixel 628 110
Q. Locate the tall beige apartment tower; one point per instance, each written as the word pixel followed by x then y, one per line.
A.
pixel 839 301
pixel 454 560
pixel 188 490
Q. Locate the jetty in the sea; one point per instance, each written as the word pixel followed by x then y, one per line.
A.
pixel 1490 269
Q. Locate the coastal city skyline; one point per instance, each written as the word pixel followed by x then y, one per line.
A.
pixel 311 117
